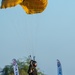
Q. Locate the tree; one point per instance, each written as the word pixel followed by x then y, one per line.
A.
pixel 23 68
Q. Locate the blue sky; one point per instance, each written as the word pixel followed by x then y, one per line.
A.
pixel 49 35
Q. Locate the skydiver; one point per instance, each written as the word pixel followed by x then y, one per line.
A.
pixel 32 68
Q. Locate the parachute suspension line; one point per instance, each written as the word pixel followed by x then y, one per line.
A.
pixel 28 38
pixel 32 41
pixel 18 29
pixel 32 36
pixel 14 26
pixel 35 33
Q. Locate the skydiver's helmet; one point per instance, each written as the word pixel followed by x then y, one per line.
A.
pixel 33 63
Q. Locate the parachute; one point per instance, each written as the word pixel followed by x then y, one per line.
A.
pixel 30 6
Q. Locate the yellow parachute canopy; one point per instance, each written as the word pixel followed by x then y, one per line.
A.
pixel 30 6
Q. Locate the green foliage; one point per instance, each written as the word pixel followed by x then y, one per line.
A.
pixel 23 68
